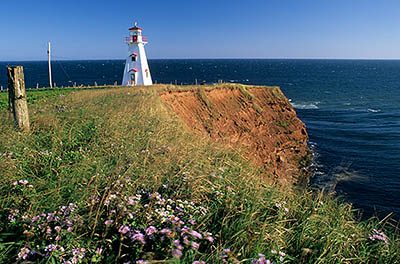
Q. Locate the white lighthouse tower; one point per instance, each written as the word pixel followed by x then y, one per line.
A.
pixel 136 68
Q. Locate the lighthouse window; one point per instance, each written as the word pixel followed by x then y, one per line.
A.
pixel 133 58
pixel 132 77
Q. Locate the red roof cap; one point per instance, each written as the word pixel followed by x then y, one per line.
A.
pixel 135 28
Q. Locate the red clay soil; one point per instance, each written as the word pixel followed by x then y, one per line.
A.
pixel 260 120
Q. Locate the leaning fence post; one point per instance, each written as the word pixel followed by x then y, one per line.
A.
pixel 17 97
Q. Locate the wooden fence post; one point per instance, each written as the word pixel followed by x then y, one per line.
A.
pixel 17 97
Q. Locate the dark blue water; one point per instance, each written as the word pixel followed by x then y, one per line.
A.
pixel 351 109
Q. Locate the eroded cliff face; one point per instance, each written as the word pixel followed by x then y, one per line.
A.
pixel 258 119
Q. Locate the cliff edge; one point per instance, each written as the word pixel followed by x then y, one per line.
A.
pixel 258 119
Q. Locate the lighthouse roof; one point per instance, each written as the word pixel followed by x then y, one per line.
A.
pixel 135 28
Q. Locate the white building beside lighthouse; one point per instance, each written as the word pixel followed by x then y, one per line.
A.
pixel 136 70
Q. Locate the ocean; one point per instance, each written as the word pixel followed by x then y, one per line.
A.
pixel 351 109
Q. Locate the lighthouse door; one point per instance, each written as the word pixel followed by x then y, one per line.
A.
pixel 133 78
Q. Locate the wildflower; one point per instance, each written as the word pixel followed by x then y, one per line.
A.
pixel 23 254
pixel 141 261
pixel 379 235
pixel 286 209
pixel 132 201
pixel 11 218
pixel 177 244
pixel 24 182
pixel 198 262
pixel 186 240
pixel 261 260
pixel 227 250
pixel 176 253
pixel 196 234
pixel 273 251
pixel 150 230
pixel 108 222
pixel 50 248
pixel 14 183
pixel 124 229
pixel 138 237
pixel 278 204
pixel 282 254
pixel 195 245
pixel 209 238
pixel 99 250
pixel 221 169
pixel 165 231
pixel 57 228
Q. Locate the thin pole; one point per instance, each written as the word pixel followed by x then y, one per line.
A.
pixel 48 53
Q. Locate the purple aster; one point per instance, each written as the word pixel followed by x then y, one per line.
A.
pixel 195 245
pixel 165 231
pixel 108 222
pixel 151 230
pixel 124 229
pixel 186 240
pixel 196 234
pixel 176 253
pixel 177 244
pixel 24 252
pixel 138 237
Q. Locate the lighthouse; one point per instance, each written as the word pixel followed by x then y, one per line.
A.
pixel 136 70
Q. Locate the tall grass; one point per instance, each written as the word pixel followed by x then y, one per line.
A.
pixel 136 185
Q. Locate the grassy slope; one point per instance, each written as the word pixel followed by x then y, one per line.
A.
pixel 120 155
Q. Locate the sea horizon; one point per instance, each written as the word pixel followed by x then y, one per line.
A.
pixel 217 58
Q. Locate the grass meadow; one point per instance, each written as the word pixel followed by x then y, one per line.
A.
pixel 112 176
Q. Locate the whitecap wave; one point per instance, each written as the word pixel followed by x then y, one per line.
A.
pixel 373 110
pixel 313 105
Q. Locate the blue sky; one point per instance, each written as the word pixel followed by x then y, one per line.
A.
pixel 86 29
